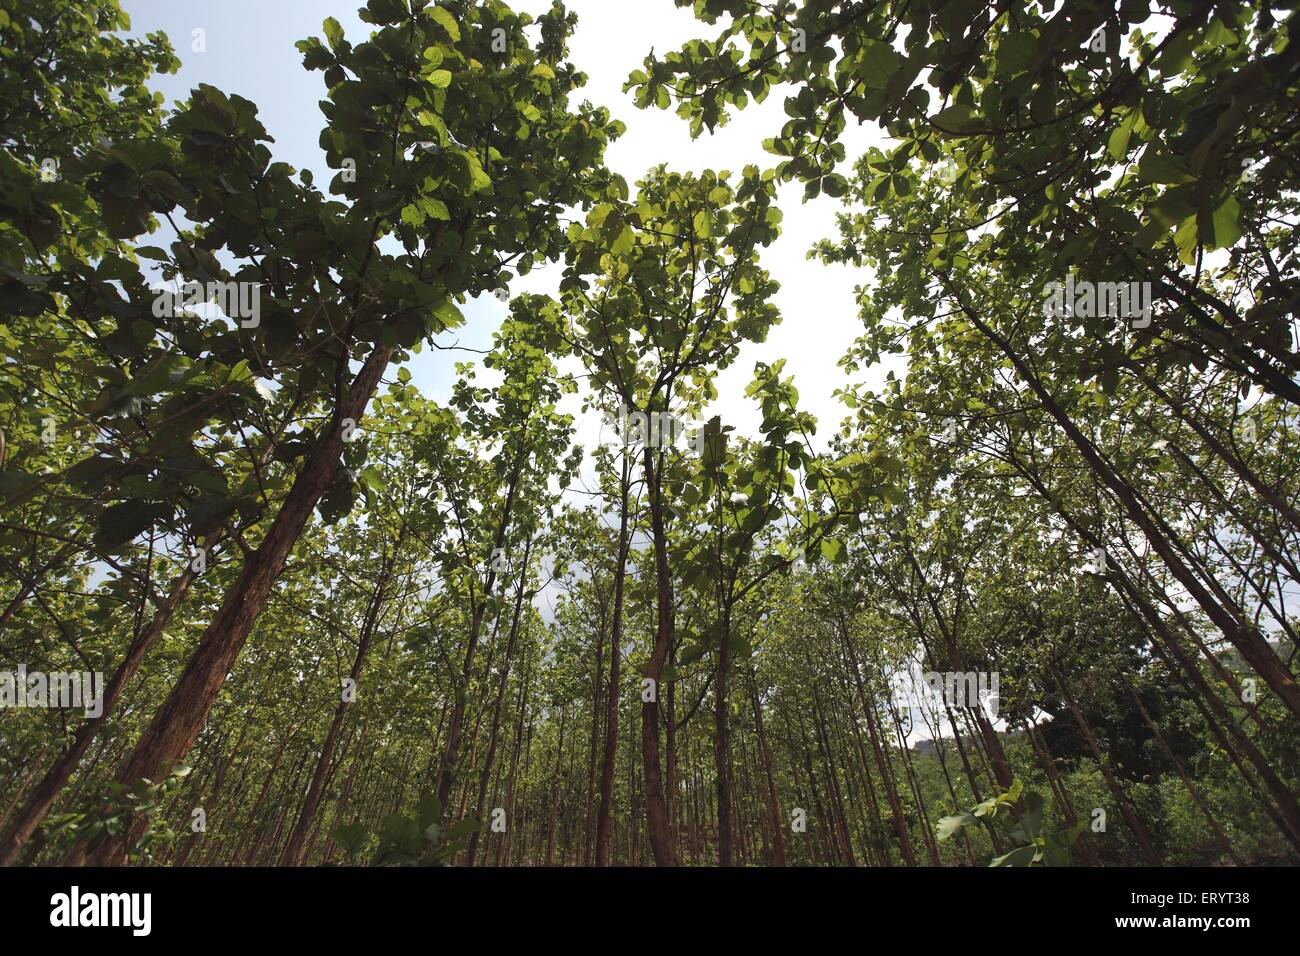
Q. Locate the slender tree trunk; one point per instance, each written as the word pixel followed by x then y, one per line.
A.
pixel 451 753
pixel 1058 789
pixel 555 786
pixel 769 778
pixel 42 798
pixel 909 771
pixel 176 724
pixel 607 770
pixel 1283 809
pixel 1248 642
pixel 1117 791
pixel 658 827
pixel 592 795
pixel 896 806
pixel 1192 790
pixel 722 743
pixel 485 774
pixel 843 840
pixel 293 849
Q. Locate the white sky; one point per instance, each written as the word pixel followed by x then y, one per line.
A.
pixel 819 316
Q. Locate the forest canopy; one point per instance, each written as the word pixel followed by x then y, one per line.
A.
pixel 264 599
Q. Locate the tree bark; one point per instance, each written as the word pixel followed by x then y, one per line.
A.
pixel 177 723
pixel 293 849
pixel 605 812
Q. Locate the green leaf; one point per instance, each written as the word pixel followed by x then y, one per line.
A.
pixel 879 62
pixel 91 471
pixel 371 482
pixel 1156 167
pixel 126 520
pixel 15 484
pixel 400 833
pixel 956 119
pixel 428 812
pixel 350 838
pixel 445 20
pixel 461 829
pixel 1117 144
pixel 703 224
pixel 948 826
pixel 449 315
pixel 125 218
pixel 478 180
pixel 1187 239
pixel 1028 826
pixel 210 512
pixel 624 242
pixel 165 372
pixel 1023 856
pixel 1218 34
pixel 333 33
pixel 1227 229
pixel 1016 53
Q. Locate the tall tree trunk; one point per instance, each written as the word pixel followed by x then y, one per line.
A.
pixel 895 805
pixel 592 796
pixel 551 800
pixel 1253 647
pixel 1117 791
pixel 1283 809
pixel 843 840
pixel 451 752
pixel 1191 788
pixel 174 727
pixel 472 848
pixel 722 743
pixel 769 778
pixel 293 849
pixel 658 827
pixel 1048 764
pixel 503 846
pixel 42 798
pixel 605 812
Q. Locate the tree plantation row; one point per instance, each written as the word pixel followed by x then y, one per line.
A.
pixel 1026 600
